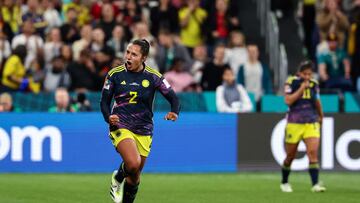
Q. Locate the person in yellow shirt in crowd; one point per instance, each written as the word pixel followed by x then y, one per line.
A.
pixel 191 19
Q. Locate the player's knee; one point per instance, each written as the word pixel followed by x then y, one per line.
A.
pixel 133 166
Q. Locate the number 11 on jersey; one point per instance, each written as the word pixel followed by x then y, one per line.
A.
pixel 306 94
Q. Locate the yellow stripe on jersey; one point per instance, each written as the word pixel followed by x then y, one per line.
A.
pixel 116 70
pixel 155 72
pixel 314 81
pixel 290 79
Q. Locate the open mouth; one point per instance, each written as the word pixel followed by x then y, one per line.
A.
pixel 128 63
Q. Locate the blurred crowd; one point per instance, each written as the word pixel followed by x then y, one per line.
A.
pixel 198 45
pixel 72 44
pixel 332 39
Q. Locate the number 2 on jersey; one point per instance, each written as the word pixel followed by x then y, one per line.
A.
pixel 306 94
pixel 133 97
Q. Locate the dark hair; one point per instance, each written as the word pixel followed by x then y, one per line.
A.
pixel 21 52
pixel 144 46
pixel 305 65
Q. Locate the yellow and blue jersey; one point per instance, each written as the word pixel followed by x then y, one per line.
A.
pixel 134 93
pixel 304 109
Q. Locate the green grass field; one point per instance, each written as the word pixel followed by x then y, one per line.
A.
pixel 176 188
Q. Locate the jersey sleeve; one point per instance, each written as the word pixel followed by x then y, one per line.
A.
pixel 106 97
pixel 289 87
pixel 163 86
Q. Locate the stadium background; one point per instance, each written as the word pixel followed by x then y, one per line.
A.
pixel 207 148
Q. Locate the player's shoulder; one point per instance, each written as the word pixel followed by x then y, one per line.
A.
pixel 152 71
pixel 314 81
pixel 291 79
pixel 116 70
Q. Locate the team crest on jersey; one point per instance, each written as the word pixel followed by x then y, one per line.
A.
pixel 145 83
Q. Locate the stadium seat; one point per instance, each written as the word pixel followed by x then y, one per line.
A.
pixel 352 103
pixel 273 104
pixel 330 103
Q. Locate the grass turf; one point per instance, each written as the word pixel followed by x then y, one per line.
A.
pixel 176 188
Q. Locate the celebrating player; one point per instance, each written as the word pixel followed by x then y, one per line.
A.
pixel 303 123
pixel 133 86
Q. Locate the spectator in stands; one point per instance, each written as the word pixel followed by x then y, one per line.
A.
pixel 83 73
pixel 52 45
pixel 213 70
pixel 56 75
pixel 192 18
pixel 102 62
pixel 237 54
pixel 164 17
pixel 84 42
pixel 232 97
pixel 354 44
pixel 11 13
pixel 107 21
pixel 33 42
pixel 132 14
pixel 70 30
pixel 66 54
pixel 82 103
pixel 63 102
pixel 81 9
pixel 98 40
pixel 36 74
pixel 334 66
pixel 200 58
pixel 6 103
pixel 168 50
pixel 35 14
pixel 141 31
pixel 5 28
pixel 219 23
pixel 179 79
pixel 5 49
pixel 51 15
pixel 331 20
pixel 13 77
pixel 118 41
pixel 254 75
pixel 96 9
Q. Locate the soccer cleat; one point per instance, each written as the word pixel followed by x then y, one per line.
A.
pixel 286 187
pixel 116 189
pixel 318 188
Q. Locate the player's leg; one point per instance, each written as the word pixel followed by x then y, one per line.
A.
pixel 312 142
pixel 291 150
pixel 133 165
pixel 312 146
pixel 132 183
pixel 293 133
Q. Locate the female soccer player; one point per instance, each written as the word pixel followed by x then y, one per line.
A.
pixel 303 123
pixel 133 86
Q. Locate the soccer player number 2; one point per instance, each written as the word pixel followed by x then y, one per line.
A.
pixel 133 97
pixel 306 94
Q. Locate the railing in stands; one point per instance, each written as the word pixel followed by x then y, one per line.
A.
pixel 276 51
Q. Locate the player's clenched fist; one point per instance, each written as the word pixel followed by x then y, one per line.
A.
pixel 113 119
pixel 171 116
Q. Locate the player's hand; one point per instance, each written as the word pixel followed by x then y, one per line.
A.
pixel 113 119
pixel 305 84
pixel 171 116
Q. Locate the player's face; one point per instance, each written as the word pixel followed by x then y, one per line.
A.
pixel 306 74
pixel 134 58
